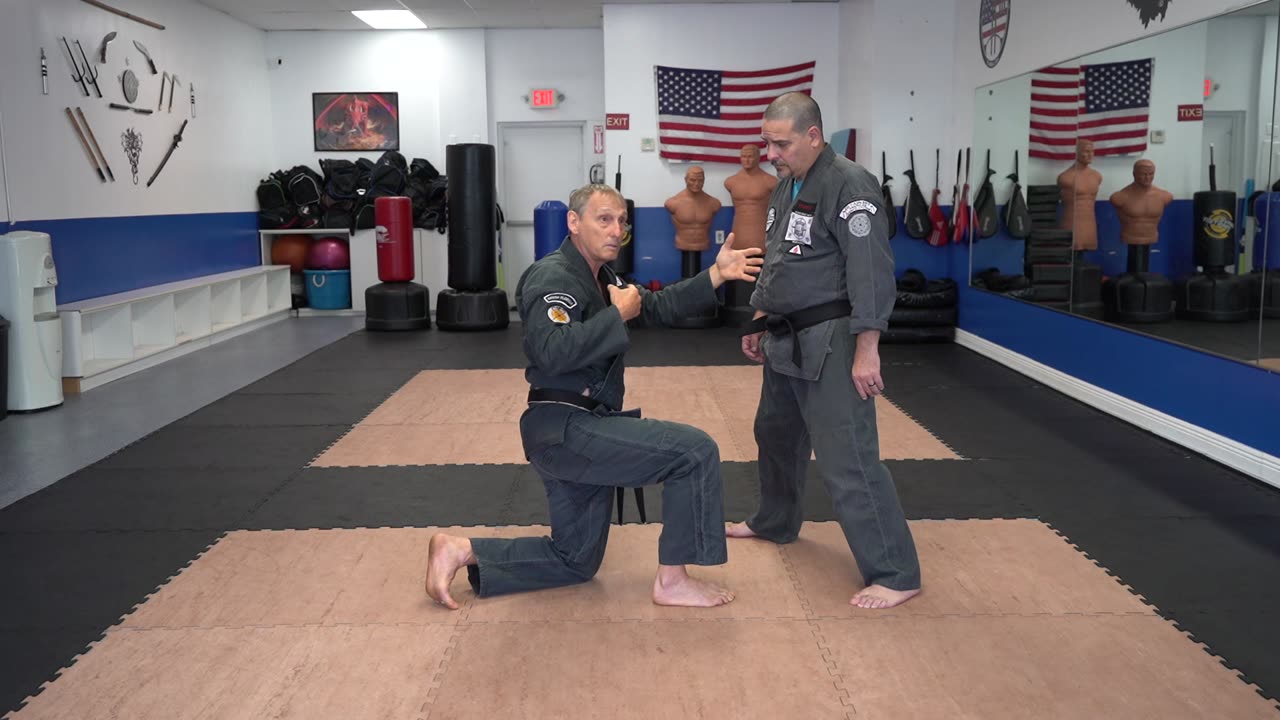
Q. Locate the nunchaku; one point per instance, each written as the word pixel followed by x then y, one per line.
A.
pixel 172 146
pixel 88 131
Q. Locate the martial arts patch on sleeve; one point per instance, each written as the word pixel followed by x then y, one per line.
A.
pixel 560 298
pixel 855 206
pixel 860 225
pixel 558 315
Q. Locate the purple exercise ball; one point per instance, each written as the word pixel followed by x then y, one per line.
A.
pixel 329 253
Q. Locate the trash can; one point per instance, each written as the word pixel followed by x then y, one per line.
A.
pixel 4 368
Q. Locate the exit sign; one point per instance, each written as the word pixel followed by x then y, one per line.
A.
pixel 542 98
pixel 1190 113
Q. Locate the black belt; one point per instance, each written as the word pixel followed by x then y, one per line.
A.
pixel 566 397
pixel 792 323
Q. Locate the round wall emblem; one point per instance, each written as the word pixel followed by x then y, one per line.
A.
pixel 993 29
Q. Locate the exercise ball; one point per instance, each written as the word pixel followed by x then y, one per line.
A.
pixel 290 250
pixel 329 253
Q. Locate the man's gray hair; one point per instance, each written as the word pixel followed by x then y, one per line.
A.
pixel 800 109
pixel 579 198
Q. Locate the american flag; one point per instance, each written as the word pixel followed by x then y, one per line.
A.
pixel 1107 103
pixel 708 115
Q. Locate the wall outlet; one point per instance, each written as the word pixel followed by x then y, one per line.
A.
pixel 646 144
pixel 719 237
pixel 1157 137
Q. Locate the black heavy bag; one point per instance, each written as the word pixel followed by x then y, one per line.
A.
pixel 886 191
pixel 915 213
pixel 984 205
pixel 472 211
pixel 1016 218
pixel 1214 217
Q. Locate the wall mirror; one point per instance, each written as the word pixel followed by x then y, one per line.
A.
pixel 1144 176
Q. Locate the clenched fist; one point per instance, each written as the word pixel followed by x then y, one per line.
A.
pixel 626 299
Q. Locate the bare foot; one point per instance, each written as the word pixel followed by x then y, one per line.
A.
pixel 674 587
pixel 739 530
pixel 879 597
pixel 445 556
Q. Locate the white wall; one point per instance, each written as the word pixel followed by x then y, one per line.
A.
pixel 569 60
pixel 49 173
pixel 857 73
pixel 912 93
pixel 716 37
pixel 435 72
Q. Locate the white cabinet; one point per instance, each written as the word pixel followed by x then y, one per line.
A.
pixel 108 337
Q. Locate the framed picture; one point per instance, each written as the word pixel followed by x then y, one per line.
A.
pixel 356 121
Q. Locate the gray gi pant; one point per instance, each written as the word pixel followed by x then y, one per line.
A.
pixel 582 456
pixel 829 417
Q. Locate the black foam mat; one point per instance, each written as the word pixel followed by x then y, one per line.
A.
pixel 227 447
pixel 388 497
pixel 1099 487
pixel 263 410
pixel 30 658
pixel 1217 578
pixel 331 382
pixel 88 579
pixel 99 498
pixel 1209 565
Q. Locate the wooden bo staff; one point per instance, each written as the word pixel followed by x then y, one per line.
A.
pixel 122 13
pixel 85 144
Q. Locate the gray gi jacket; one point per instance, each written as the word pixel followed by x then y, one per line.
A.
pixel 574 339
pixel 830 243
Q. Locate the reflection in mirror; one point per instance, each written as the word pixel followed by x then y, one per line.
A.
pixel 1137 164
pixel 1264 204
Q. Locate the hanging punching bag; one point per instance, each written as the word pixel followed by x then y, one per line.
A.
pixel 472 209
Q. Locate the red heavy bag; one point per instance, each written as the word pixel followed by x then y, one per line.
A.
pixel 393 218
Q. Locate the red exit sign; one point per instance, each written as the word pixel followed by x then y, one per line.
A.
pixel 540 98
pixel 1190 113
pixel 617 121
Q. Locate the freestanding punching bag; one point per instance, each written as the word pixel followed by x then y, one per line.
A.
pixel 396 303
pixel 625 264
pixel 550 227
pixel 472 302
pixel 1214 294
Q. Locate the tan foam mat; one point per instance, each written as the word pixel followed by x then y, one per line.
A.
pixel 1014 622
pixel 446 417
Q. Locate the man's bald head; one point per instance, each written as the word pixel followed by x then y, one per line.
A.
pixel 799 108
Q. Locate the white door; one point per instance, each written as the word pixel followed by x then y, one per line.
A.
pixel 536 162
pixel 1224 130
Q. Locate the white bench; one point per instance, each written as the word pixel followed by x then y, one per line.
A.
pixel 109 337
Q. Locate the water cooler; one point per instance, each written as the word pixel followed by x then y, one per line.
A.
pixel 28 280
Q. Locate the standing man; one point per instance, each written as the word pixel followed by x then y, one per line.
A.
pixel 574 310
pixel 823 298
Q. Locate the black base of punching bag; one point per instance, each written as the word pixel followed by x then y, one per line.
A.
pixel 483 310
pixel 690 266
pixel 1263 288
pixel 1139 297
pixel 397 306
pixel 913 335
pixel 1214 296
pixel 737 310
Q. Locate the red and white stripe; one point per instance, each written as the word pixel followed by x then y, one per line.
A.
pixel 1058 119
pixel 744 95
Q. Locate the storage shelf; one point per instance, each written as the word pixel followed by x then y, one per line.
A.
pixel 109 337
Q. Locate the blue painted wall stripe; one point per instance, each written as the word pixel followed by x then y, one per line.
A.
pixel 103 256
pixel 1228 397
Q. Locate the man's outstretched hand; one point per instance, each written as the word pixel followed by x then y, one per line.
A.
pixel 734 264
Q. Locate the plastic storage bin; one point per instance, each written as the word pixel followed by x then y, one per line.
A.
pixel 328 289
